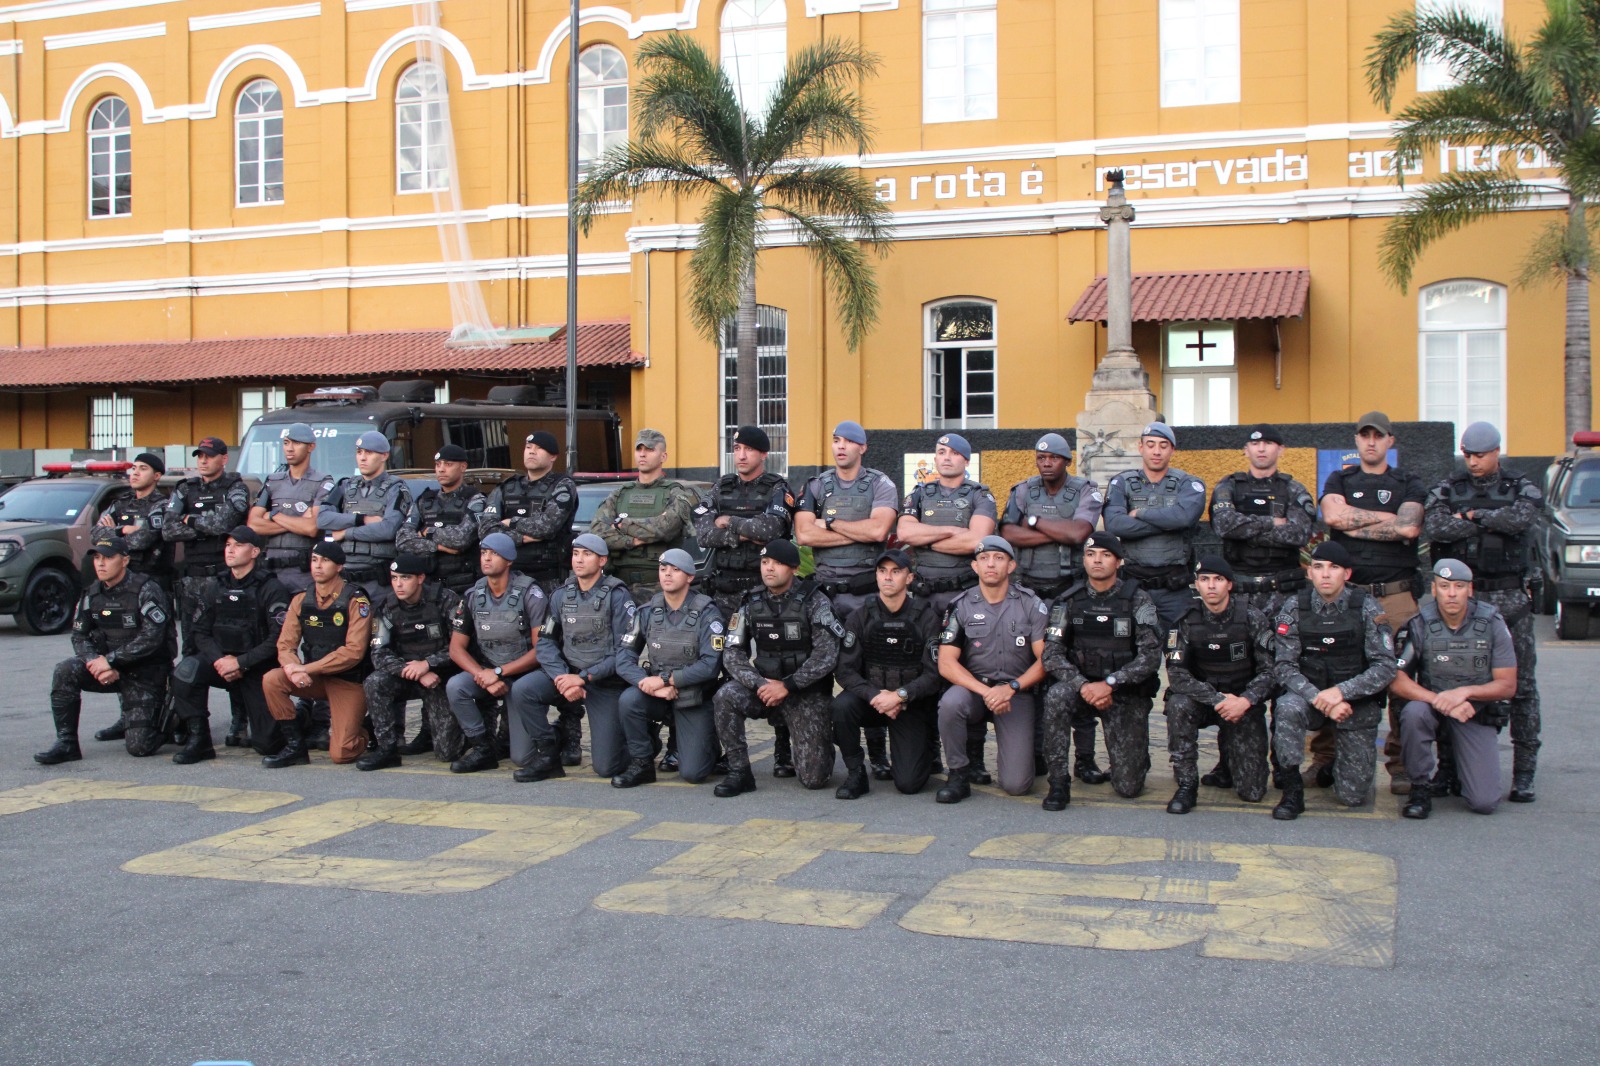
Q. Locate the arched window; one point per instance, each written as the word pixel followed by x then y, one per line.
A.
pixel 602 103
pixel 961 379
pixel 110 159
pixel 1461 343
pixel 772 385
pixel 421 129
pixel 258 144
pixel 754 49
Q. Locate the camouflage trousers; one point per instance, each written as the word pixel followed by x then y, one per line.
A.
pixel 386 700
pixel 1517 610
pixel 809 721
pixel 1127 726
pixel 141 690
pixel 1355 754
pixel 728 604
pixel 1243 744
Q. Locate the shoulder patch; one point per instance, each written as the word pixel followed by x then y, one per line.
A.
pixel 715 627
pixel 716 643
pixel 1283 629
pixel 1198 486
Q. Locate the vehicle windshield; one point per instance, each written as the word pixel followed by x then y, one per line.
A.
pixel 262 450
pixel 1583 488
pixel 48 502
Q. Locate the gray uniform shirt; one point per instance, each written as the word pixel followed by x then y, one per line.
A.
pixel 702 671
pixel 395 513
pixel 996 639
pixel 621 608
pixel 1378 639
pixel 535 607
pixel 813 500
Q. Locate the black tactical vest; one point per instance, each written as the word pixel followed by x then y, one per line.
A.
pixel 1264 497
pixel 779 630
pixel 323 629
pixel 1490 554
pixel 892 655
pixel 1221 648
pixel 586 636
pixel 418 630
pixel 935 509
pixel 202 557
pixel 672 645
pixel 1103 633
pixel 1377 560
pixel 236 614
pixel 738 498
pixel 1333 646
pixel 519 498
pixel 148 513
pixel 435 509
pixel 375 504
pixel 114 613
pixel 847 503
pixel 1049 565
pixel 501 631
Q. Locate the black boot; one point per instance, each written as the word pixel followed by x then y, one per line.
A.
pixel 420 744
pixel 878 753
pixel 1419 803
pixel 238 735
pixel 956 788
pixel 977 773
pixel 571 739
pixel 1060 794
pixel 1521 787
pixel 294 751
pixel 478 756
pixel 782 751
pixel 379 758
pixel 1219 777
pixel 197 745
pixel 545 764
pixel 1184 799
pixel 115 731
pixel 502 734
pixel 737 782
pixel 1441 785
pixel 855 785
pixel 1325 775
pixel 66 747
pixel 1088 772
pixel 639 772
pixel 321 737
pixel 1293 803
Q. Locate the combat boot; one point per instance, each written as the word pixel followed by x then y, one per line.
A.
pixel 855 785
pixel 571 739
pixel 1184 799
pixel 878 753
pixel 737 782
pixel 238 735
pixel 977 773
pixel 1442 784
pixel 545 764
pixel 478 756
pixel 638 772
pixel 1521 787
pixel 419 744
pixel 1088 772
pixel 379 758
pixel 115 731
pixel 1060 794
pixel 294 751
pixel 66 747
pixel 1221 776
pixel 956 788
pixel 1293 803
pixel 782 750
pixel 502 733
pixel 1419 803
pixel 320 738
pixel 197 747
pixel 1324 775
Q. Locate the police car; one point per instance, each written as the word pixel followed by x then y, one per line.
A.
pixel 46 528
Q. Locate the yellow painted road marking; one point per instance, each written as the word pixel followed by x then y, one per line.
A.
pixel 1319 802
pixel 228 800
pixel 733 872
pixel 515 838
pixel 1282 903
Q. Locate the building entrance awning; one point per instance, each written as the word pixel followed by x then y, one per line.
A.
pixel 1204 296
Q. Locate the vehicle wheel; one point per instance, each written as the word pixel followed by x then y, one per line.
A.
pixel 48 601
pixel 1547 596
pixel 1572 620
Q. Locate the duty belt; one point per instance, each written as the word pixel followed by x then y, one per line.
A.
pixel 200 569
pixel 993 681
pixel 856 585
pixel 1497 584
pixel 944 584
pixel 1165 577
pixel 1391 588
pixel 1275 583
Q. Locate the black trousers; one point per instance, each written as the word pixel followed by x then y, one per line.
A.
pixel 192 682
pixel 911 736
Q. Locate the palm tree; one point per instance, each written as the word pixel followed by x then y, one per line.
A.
pixel 694 139
pixel 1508 96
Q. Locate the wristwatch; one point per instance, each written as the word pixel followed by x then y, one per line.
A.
pixel 499 671
pixel 1111 680
pixel 1033 521
pixel 827 523
pixel 902 695
pixel 1016 686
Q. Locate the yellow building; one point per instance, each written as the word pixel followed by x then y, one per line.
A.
pixel 212 171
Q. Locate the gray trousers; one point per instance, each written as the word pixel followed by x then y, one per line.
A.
pixel 694 727
pixel 523 706
pixel 1355 759
pixel 608 748
pixel 1171 606
pixel 1013 735
pixel 1477 753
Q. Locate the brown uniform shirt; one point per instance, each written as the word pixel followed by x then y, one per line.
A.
pixel 357 634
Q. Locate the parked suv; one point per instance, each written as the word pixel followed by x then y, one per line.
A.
pixel 46 525
pixel 1567 546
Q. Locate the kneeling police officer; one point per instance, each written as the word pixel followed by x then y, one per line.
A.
pixel 410 660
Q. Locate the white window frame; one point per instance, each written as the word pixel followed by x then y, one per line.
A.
pixel 110 158
pixel 772 387
pixel 1434 74
pixel 1197 39
pixel 1489 326
pixel 111 422
pixel 935 382
pixel 754 34
pixel 1230 370
pixel 257 400
pixel 602 120
pixel 421 130
pixel 974 75
pixel 257 126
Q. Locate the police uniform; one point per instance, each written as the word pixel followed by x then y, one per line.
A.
pixel 793 638
pixel 996 643
pixel 1442 658
pixel 1496 545
pixel 442 519
pixel 369 546
pixel 1212 654
pixel 1048 569
pixel 942 577
pixel 199 515
pixel 580 636
pixel 683 647
pixel 758 512
pixel 148 552
pixel 330 640
pixel 660 514
pixel 404 633
pixel 890 651
pixel 542 510
pixel 1159 541
pixel 130 626
pixel 288 555
pixel 847 573
pixel 500 631
pixel 1115 637
pixel 1321 644
pixel 1265 556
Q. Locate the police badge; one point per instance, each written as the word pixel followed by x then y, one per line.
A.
pixel 1384 495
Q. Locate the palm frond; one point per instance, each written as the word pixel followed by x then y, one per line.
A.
pixel 1443 207
pixel 845 270
pixel 626 168
pixel 1559 250
pixel 682 93
pixel 814 105
pixel 730 234
pixel 835 192
pixel 1474 50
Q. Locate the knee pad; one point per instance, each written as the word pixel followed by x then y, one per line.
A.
pixel 142 743
pixel 187 671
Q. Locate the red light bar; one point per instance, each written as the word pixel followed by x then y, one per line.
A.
pixel 1586 438
pixel 92 466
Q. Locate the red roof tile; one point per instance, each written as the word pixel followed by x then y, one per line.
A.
pixel 1204 295
pixel 276 358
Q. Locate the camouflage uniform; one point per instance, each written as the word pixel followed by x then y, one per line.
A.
pixel 445 520
pixel 403 633
pixel 1209 655
pixel 542 510
pixel 148 551
pixel 1264 555
pixel 130 625
pixel 199 515
pixel 660 514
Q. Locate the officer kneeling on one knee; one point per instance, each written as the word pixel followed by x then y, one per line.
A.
pixel 411 660
pixel 1335 660
pixel 1103 647
pixel 122 643
pixel 670 657
pixel 242 611
pixel 989 651
pixel 1458 664
pixel 783 645
pixel 1221 669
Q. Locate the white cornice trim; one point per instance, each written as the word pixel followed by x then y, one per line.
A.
pixel 254 18
pixel 11 48
pixel 58 41
pixel 41 10
pixel 848 7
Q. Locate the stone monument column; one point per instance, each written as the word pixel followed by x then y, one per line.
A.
pixel 1119 403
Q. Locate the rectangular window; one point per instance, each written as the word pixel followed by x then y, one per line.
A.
pixel 961 386
pixel 1201 379
pixel 772 386
pixel 959 71
pixel 255 402
pixel 110 173
pixel 110 422
pixel 1199 52
pixel 1435 73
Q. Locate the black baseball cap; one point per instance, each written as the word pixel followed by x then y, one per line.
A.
pixel 245 535
pixel 210 446
pixel 895 556
pixel 329 549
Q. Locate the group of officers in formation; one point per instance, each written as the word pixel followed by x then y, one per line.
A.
pixel 324 605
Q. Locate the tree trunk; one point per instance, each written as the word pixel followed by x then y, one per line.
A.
pixel 1577 346
pixel 748 399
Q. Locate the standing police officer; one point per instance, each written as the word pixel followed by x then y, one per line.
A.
pixel 535 509
pixel 410 660
pixel 122 643
pixel 1482 516
pixel 1154 511
pixel 1047 519
pixel 640 521
pixel 365 513
pixel 443 527
pixel 200 513
pixel 285 510
pixel 945 520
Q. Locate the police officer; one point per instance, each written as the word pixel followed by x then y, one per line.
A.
pixel 200 512
pixel 1103 647
pixel 945 520
pixel 411 660
pixel 890 677
pixel 590 613
pixel 1154 511
pixel 671 657
pixel 443 527
pixel 989 652
pixel 1482 516
pixel 1047 519
pixel 640 521
pixel 493 641
pixel 1458 665
pixel 286 508
pixel 1375 513
pixel 122 643
pixel 236 641
pixel 783 645
pixel 535 509
pixel 365 513
pixel 322 654
pixel 1335 659
pixel 744 511
pixel 1221 662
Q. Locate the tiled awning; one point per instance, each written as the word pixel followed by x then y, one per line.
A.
pixel 1204 296
pixel 356 355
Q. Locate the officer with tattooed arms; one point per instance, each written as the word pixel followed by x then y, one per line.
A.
pixel 411 660
pixel 535 509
